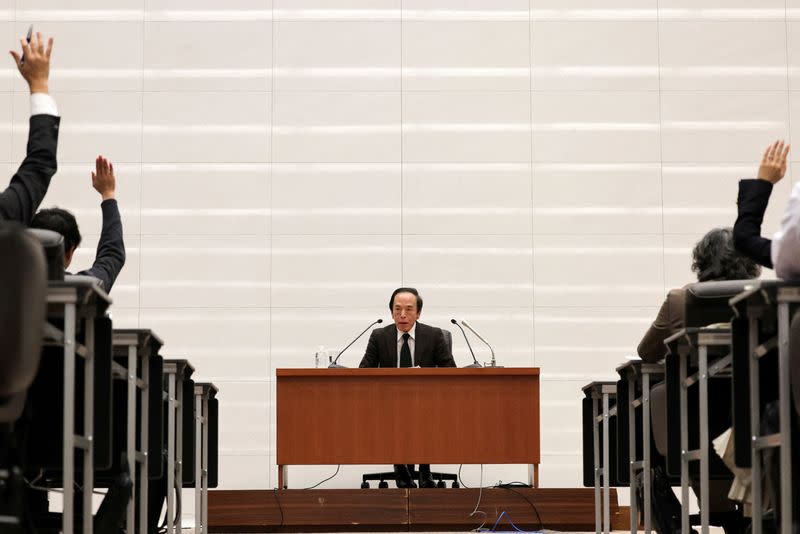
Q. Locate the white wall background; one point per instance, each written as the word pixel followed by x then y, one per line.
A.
pixel 541 168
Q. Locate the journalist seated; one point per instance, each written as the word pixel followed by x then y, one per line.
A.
pixel 714 258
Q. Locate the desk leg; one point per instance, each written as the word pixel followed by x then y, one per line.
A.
pixel 533 475
pixel 283 476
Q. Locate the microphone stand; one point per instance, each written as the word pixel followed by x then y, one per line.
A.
pixel 474 359
pixel 334 364
pixel 494 362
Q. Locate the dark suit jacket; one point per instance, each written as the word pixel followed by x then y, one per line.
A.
pixel 110 256
pixel 752 203
pixel 430 349
pixel 29 185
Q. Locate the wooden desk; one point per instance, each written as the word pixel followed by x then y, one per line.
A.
pixel 407 416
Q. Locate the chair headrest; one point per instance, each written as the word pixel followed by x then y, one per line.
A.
pixel 53 244
pixel 707 302
pixel 23 283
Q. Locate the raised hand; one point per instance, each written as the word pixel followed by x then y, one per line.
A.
pixel 103 179
pixel 36 67
pixel 773 164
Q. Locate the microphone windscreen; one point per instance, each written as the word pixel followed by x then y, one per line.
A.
pixel 379 321
pixel 453 321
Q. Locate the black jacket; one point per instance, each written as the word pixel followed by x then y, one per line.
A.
pixel 752 203
pixel 110 256
pixel 29 185
pixel 430 349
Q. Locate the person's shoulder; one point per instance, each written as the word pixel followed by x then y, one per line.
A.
pixel 426 329
pixel 677 295
pixel 383 330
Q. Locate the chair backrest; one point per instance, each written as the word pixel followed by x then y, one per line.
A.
pixel 707 302
pixel 448 340
pixel 53 245
pixel 794 346
pixel 23 308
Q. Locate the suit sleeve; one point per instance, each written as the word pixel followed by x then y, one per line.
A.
pixel 110 256
pixel 752 203
pixel 29 184
pixel 786 241
pixel 651 348
pixel 441 355
pixel 371 356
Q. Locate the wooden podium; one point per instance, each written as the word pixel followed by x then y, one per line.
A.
pixel 407 416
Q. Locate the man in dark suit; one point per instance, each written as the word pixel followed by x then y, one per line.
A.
pixel 400 344
pixel 29 184
pixel 110 256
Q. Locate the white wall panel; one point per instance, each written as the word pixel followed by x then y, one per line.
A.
pixel 205 199
pixel 466 55
pixel 207 56
pixel 220 127
pixel 571 127
pixel 337 56
pixel 336 127
pixel 590 198
pixel 319 198
pixel 205 272
pixel 452 198
pixel 720 55
pixel 727 127
pixel 573 270
pixel 595 55
pixel 475 127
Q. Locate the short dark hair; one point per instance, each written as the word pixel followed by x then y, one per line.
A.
pixel 715 258
pixel 61 221
pixel 406 290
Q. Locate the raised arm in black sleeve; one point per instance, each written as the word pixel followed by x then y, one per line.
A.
pixel 752 203
pixel 29 185
pixel 110 256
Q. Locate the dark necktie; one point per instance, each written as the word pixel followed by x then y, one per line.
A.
pixel 405 352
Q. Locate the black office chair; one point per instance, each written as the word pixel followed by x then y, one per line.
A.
pixel 23 283
pixel 440 478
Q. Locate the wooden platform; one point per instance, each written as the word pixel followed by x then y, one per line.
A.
pixel 396 510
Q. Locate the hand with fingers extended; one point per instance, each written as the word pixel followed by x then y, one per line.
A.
pixel 103 179
pixel 36 67
pixel 773 164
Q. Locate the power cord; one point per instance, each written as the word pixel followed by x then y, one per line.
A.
pixel 510 487
pixel 515 527
pixel 461 482
pixel 278 502
pixel 477 505
pixel 327 479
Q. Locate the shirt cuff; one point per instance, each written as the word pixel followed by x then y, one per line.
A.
pixel 43 104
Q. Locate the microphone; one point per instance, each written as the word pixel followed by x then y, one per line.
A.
pixel 465 323
pixel 476 364
pixel 335 365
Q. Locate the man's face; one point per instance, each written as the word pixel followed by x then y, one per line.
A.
pixel 404 311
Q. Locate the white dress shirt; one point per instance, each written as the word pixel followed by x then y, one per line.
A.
pixel 43 104
pixel 411 335
pixel 785 248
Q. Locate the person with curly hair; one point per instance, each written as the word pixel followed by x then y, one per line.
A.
pixel 714 258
